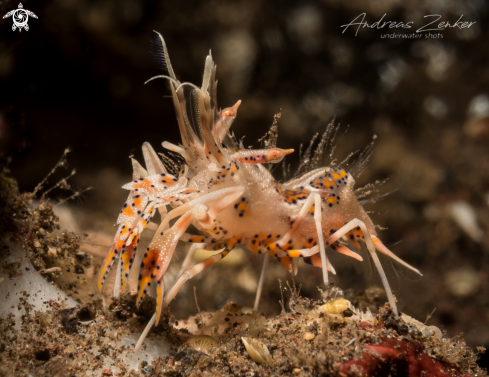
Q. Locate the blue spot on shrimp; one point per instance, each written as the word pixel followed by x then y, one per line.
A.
pixel 228 193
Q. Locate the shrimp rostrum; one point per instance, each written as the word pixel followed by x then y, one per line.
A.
pixel 228 195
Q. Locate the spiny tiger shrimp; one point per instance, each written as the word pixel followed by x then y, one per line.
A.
pixel 226 192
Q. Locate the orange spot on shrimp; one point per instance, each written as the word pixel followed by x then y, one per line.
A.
pixel 254 245
pixel 232 242
pixel 124 231
pixel 243 208
pixel 310 243
pixel 137 202
pixel 331 200
pixel 294 196
pixel 145 183
pixel 272 252
pixel 351 237
pixel 294 253
pixel 168 180
pixel 272 246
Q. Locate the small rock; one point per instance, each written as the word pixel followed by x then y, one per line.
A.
pixel 462 282
pixel 297 371
pixel 309 336
pixel 427 332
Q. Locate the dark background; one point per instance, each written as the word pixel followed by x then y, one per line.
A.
pixel 76 79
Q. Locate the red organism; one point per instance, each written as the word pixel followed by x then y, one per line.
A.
pixel 396 357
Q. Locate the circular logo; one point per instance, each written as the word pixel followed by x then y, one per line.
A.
pixel 20 16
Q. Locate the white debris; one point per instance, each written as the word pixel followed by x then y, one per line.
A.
pixel 27 279
pixel 462 281
pixel 465 217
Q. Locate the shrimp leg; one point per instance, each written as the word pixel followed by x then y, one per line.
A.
pixel 191 252
pixel 187 275
pixel 191 272
pixel 276 248
pixel 128 219
pixel 261 155
pixel 160 251
pixel 371 246
pixel 260 283
pixel 319 229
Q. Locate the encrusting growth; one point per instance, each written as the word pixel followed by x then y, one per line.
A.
pixel 227 193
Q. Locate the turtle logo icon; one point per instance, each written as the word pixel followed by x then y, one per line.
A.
pixel 20 16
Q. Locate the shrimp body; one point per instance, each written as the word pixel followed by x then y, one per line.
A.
pixel 231 198
pixel 267 209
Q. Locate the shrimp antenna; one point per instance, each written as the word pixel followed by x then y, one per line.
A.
pixel 163 77
pixel 188 83
pixel 162 54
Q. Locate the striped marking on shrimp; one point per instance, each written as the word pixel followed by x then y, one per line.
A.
pixel 232 242
pixel 294 196
pixel 109 260
pixel 354 236
pixel 127 256
pixel 152 185
pixel 195 239
pixel 160 292
pixel 234 168
pixel 147 273
pixel 131 209
pixel 258 244
pixel 323 183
